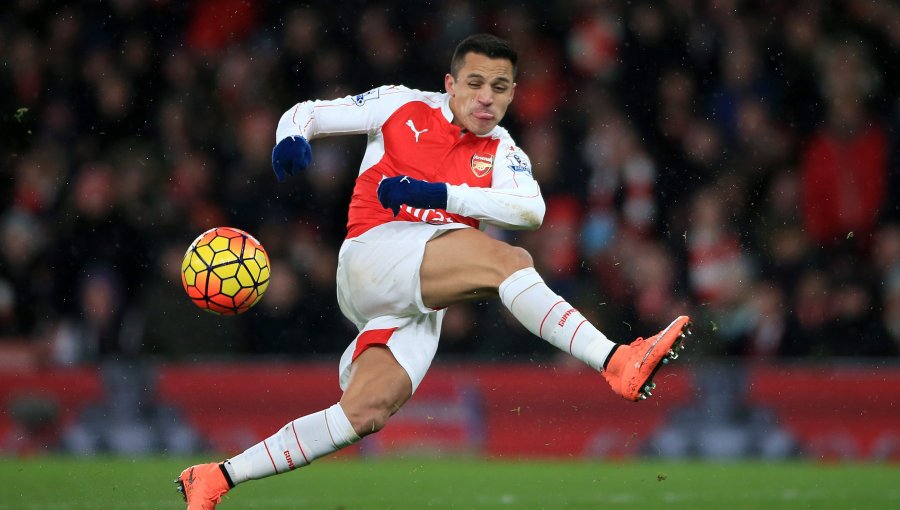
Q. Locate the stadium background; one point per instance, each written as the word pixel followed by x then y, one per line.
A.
pixel 736 161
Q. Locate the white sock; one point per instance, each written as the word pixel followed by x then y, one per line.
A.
pixel 550 317
pixel 296 445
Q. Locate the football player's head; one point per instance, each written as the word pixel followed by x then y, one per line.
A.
pixel 481 82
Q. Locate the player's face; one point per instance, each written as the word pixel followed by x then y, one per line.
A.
pixel 481 92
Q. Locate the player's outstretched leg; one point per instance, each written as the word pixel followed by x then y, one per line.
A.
pixel 203 485
pixel 631 367
pixel 295 445
pixel 628 368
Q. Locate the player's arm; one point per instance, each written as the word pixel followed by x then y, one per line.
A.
pixel 350 115
pixel 514 199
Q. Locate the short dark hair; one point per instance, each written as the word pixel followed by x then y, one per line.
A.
pixel 488 45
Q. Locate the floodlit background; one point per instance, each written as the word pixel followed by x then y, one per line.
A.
pixel 737 162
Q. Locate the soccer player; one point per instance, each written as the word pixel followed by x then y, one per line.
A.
pixel 437 168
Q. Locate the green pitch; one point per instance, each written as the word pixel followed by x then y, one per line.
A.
pixel 112 484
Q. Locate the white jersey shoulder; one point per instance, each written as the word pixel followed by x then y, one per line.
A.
pixel 359 113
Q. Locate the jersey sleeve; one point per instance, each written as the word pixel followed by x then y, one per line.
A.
pixel 514 199
pixel 351 115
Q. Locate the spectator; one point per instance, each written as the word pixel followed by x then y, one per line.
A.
pixel 739 149
pixel 845 164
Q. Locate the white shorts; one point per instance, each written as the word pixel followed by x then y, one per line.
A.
pixel 378 288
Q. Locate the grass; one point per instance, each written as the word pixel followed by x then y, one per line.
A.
pixel 58 483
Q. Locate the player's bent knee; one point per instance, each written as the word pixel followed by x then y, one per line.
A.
pixel 368 416
pixel 514 258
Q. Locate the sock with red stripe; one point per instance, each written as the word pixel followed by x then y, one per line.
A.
pixel 296 445
pixel 550 317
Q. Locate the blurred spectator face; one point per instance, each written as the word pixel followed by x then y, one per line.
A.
pixel 179 70
pixel 330 65
pixel 301 30
pixel 767 300
pixel 39 179
pixel 788 245
pixel 313 259
pixel 190 180
pixel 94 191
pixel 132 185
pixel 753 120
pixel 384 48
pixel 847 73
pixel 284 291
pixel 543 150
pixel 137 52
pixel 851 301
pixel 718 270
pixel 173 126
pixel 802 30
pixel 240 76
pixel 329 173
pixel 648 24
pixel 886 249
pixel 740 66
pixel 676 95
pixel 539 87
pixel 811 300
pixel 708 212
pixel 652 272
pixel 677 89
pixel 784 194
pixel 891 312
pixel 255 136
pixel 114 96
pixel 24 57
pixel 458 325
pixel 170 262
pixel 458 21
pixel 593 43
pixel 97 64
pixel 557 249
pixel 22 237
pixel 702 144
pixel 100 296
pixel 845 115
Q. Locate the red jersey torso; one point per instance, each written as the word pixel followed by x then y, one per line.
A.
pixel 418 141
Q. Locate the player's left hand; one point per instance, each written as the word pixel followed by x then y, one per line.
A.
pixel 396 191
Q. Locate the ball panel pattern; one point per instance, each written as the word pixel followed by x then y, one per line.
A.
pixel 225 271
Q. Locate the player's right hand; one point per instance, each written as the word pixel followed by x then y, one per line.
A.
pixel 290 156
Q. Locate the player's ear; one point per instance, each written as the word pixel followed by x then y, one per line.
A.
pixel 449 84
pixel 512 92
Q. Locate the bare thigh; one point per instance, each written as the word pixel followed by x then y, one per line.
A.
pixel 467 264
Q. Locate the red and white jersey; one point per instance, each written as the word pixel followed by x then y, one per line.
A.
pixel 410 133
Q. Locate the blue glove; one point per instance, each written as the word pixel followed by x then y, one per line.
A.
pixel 395 191
pixel 291 156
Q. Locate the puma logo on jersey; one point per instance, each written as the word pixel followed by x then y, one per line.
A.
pixel 414 130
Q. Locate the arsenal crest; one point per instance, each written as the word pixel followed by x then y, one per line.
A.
pixel 482 164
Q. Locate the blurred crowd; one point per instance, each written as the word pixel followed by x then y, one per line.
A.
pixel 737 161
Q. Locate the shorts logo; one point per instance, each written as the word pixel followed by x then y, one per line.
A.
pixel 482 164
pixel 360 99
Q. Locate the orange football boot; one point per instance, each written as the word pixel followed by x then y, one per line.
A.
pixel 203 486
pixel 631 368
